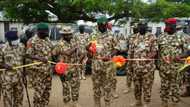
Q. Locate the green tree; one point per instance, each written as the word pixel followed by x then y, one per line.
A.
pixel 166 9
pixel 72 10
pixel 65 10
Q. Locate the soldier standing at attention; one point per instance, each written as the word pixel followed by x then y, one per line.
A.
pixel 143 46
pixel 104 71
pixel 171 45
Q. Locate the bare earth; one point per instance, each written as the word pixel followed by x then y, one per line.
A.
pixel 86 94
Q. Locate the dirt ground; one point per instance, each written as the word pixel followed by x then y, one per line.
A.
pixel 86 94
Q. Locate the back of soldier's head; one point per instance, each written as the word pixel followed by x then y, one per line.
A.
pixel 81 29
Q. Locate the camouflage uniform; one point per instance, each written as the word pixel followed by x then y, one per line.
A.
pixel 143 75
pixel 129 69
pixel 170 45
pixel 184 77
pixel 42 73
pixel 70 82
pixel 12 79
pixel 103 72
pixel 82 40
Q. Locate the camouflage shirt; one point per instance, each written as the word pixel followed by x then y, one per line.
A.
pixel 40 48
pixel 140 47
pixel 82 40
pixel 105 44
pixel 63 46
pixel 121 43
pixel 12 55
pixel 171 45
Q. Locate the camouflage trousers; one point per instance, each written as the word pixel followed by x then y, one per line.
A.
pixel 71 85
pixel 30 75
pixel 129 76
pixel 82 70
pixel 42 88
pixel 12 90
pixel 169 84
pixel 103 80
pixel 143 81
pixel 114 82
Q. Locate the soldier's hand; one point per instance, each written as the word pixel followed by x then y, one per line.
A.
pixel 44 60
pixel 8 67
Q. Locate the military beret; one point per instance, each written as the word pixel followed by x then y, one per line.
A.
pixel 11 35
pixel 171 21
pixel 102 19
pixel 42 26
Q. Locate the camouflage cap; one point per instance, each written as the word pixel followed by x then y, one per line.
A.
pixel 66 30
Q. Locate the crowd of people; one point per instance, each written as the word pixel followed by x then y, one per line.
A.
pixel 146 54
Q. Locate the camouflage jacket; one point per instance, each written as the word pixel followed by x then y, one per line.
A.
pixel 40 48
pixel 140 47
pixel 105 44
pixel 63 46
pixel 12 55
pixel 121 43
pixel 171 45
pixel 82 40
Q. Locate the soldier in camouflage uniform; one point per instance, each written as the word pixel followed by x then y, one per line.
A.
pixel 184 76
pixel 11 55
pixel 39 49
pixel 103 72
pixel 171 46
pixel 82 40
pixel 67 49
pixel 129 69
pixel 142 46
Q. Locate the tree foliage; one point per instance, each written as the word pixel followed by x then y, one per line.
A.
pixel 72 10
pixel 167 9
pixel 65 10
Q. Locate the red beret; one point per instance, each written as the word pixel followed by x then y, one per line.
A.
pixel 171 21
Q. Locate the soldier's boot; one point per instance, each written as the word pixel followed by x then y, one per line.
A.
pixel 164 104
pixel 126 91
pixel 107 104
pixel 83 75
pixel 138 103
pixel 186 93
pixel 97 103
pixel 76 104
pixel 115 95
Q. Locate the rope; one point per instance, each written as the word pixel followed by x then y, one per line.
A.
pixel 38 63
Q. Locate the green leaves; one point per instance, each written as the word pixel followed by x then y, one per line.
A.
pixel 72 10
